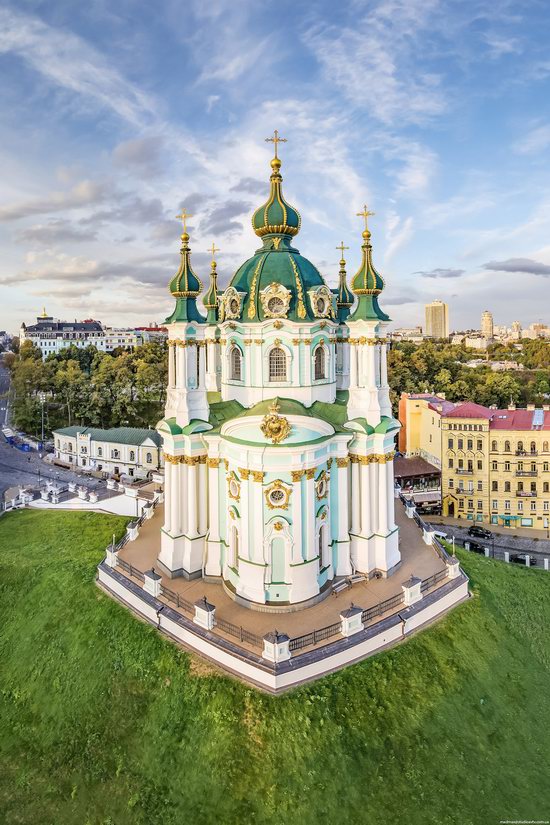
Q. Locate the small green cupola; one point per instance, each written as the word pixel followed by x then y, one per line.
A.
pixel 367 283
pixel 185 286
pixel 344 297
pixel 211 300
pixel 276 216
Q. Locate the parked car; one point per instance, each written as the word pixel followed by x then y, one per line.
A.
pixel 475 547
pixel 479 532
pixel 521 558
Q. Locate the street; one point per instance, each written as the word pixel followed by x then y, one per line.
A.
pixel 502 541
pixel 20 468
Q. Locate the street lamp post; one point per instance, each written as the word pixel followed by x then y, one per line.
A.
pixel 42 399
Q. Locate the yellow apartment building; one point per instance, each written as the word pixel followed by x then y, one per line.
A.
pixel 495 464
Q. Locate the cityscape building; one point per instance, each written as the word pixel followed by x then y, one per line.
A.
pixel 487 326
pixel 117 451
pixel 437 320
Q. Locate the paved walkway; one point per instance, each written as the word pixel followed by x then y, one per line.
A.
pixel 418 559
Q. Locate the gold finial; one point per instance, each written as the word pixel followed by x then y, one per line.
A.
pixel 213 249
pixel 275 139
pixel 341 247
pixel 366 215
pixel 184 217
pixel 44 313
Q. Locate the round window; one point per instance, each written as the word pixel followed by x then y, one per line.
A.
pixel 321 305
pixel 233 306
pixel 321 488
pixel 276 496
pixel 276 305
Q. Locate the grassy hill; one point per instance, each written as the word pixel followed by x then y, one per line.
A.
pixel 103 721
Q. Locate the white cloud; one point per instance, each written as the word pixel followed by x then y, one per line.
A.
pixel 84 193
pixel 535 141
pixel 70 62
pixel 376 64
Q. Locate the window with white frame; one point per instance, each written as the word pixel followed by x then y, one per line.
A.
pixel 236 364
pixel 320 368
pixel 277 364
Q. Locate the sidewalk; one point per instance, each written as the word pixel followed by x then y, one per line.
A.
pixel 522 532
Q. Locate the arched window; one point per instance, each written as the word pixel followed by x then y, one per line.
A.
pixel 533 447
pixel 506 446
pixel 545 446
pixel 493 446
pixel 520 446
pixel 234 555
pixel 236 362
pixel 277 364
pixel 132 455
pixel 149 458
pixel 100 450
pixel 321 548
pixel 320 363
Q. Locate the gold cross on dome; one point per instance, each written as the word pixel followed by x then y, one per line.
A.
pixel 275 139
pixel 183 217
pixel 366 215
pixel 341 247
pixel 213 249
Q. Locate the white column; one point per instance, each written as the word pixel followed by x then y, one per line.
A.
pixel 182 498
pixel 384 365
pixel 382 498
pixel 175 496
pixel 168 481
pixel 248 356
pixel 203 497
pixel 311 547
pixel 374 496
pixel 296 348
pixel 257 377
pixel 192 499
pixel 390 497
pixel 257 542
pixel 342 479
pixel 370 371
pixel 213 502
pixel 308 378
pixel 244 536
pixel 352 365
pixel 366 520
pixel 171 365
pixel 297 515
pixel 355 499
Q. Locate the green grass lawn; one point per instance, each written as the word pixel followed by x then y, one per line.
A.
pixel 104 721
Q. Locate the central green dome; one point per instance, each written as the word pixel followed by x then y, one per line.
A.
pixel 277 262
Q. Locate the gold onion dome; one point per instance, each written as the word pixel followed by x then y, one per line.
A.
pixel 344 297
pixel 185 286
pixel 276 216
pixel 367 283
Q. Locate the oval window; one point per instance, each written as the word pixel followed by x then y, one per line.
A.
pixel 276 496
pixel 234 306
pixel 321 306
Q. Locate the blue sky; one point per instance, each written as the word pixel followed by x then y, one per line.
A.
pixel 435 113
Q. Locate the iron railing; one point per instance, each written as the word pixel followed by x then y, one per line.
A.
pixel 131 570
pixel 431 580
pixel 172 596
pixel 239 632
pixel 315 636
pixel 382 607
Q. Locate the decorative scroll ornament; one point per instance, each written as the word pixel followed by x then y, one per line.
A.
pixel 275 300
pixel 275 426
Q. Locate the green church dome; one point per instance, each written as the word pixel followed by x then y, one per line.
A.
pixel 277 263
pixel 185 287
pixel 276 216
pixel 367 284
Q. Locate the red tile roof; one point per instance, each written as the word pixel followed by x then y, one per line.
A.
pixel 470 410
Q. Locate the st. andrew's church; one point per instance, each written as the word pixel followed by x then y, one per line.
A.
pixel 278 431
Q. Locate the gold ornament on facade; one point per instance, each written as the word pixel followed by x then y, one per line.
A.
pixel 301 310
pixel 274 426
pixel 244 474
pixel 278 324
pixel 310 473
pixel 321 486
pixel 278 525
pixel 277 495
pixel 258 341
pixel 252 304
pixel 329 463
pixel 297 475
pixel 258 475
pixel 342 462
pixel 213 463
pixel 275 300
